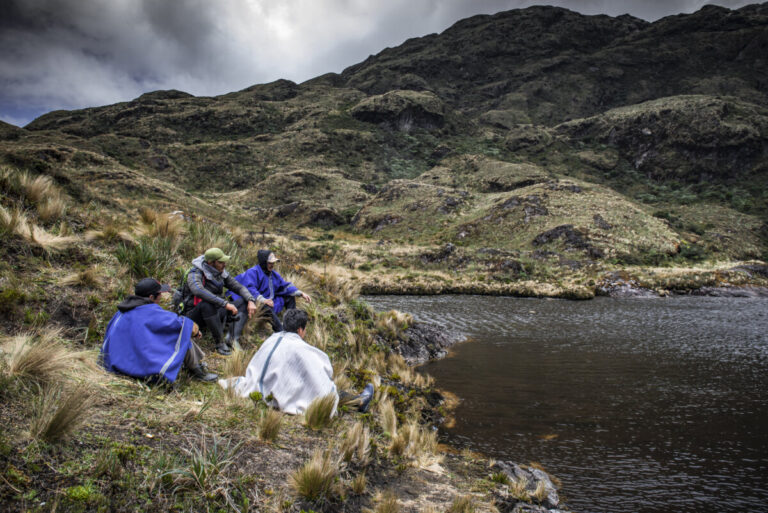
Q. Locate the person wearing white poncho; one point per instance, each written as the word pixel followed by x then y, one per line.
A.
pixel 291 371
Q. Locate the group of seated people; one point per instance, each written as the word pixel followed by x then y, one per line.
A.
pixel 144 340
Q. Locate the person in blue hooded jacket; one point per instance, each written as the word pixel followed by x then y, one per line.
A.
pixel 270 289
pixel 146 341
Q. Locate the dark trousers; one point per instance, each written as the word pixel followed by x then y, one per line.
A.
pixel 211 317
pixel 274 320
pixel 194 356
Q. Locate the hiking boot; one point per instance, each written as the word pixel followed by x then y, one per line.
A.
pixel 217 332
pixel 201 373
pixel 365 398
pixel 223 349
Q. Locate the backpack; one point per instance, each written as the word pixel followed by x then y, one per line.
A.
pixel 183 300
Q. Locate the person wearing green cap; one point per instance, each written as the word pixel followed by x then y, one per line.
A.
pixel 204 300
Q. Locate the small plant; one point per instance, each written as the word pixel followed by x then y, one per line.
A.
pixel 270 424
pixel 206 465
pixel 111 232
pixel 391 324
pixel 319 412
pixel 316 479
pixel 500 477
pixel 155 257
pixel 56 415
pixel 462 504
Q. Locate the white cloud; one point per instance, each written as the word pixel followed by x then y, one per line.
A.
pixel 77 53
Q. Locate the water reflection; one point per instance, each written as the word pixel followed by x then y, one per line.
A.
pixel 637 405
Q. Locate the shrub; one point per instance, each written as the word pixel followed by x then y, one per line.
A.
pixel 319 411
pixel 315 480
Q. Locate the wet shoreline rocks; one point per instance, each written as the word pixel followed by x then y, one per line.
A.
pixel 423 342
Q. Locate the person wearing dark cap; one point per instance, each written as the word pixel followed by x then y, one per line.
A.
pixel 144 340
pixel 204 299
pixel 271 290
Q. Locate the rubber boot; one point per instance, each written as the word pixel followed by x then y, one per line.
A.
pixel 217 332
pixel 201 373
pixel 236 331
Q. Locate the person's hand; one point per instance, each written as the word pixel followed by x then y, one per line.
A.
pixel 252 308
pixel 306 297
pixel 231 308
pixel 199 334
pixel 270 303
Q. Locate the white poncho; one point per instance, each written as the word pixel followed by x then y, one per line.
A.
pixel 296 374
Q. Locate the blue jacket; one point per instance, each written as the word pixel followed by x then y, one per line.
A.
pixel 145 341
pixel 266 286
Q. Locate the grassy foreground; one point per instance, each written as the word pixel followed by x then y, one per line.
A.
pixel 76 438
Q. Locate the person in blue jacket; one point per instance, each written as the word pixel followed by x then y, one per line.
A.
pixel 144 340
pixel 270 290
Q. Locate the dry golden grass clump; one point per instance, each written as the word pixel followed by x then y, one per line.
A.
pixel 386 502
pixel 90 278
pixel 16 223
pixel 388 417
pixel 462 504
pixel 38 358
pixel 358 484
pixel 319 412
pixel 237 363
pixel 153 224
pixel 56 414
pixel 334 281
pixel 391 324
pixel 111 232
pixel 270 423
pixel 356 446
pixel 416 443
pixel 518 488
pixel 316 479
pixel 52 209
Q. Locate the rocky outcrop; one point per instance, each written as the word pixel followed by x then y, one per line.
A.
pixel 746 292
pixel 618 284
pixel 424 342
pixel 402 110
pixel 519 495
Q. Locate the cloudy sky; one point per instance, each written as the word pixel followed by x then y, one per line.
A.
pixel 68 54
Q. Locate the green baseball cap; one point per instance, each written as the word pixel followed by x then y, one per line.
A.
pixel 213 254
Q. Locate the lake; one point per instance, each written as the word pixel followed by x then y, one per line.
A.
pixel 635 404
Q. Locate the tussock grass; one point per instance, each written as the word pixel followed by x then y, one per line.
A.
pixel 270 423
pixel 202 235
pixel 316 479
pixel 540 493
pixel 319 411
pixel 38 358
pixel 417 444
pixel 359 484
pixel 334 281
pixel 154 257
pixel 386 502
pixel 206 465
pixel 38 188
pixel 15 223
pixel 90 277
pixel 518 488
pixel 318 336
pixel 237 363
pixel 160 225
pixel 56 414
pixel 462 504
pixel 111 232
pixel 391 324
pixel 52 209
pixel 356 445
pixel 388 418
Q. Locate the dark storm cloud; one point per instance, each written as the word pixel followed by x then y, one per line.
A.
pixel 64 54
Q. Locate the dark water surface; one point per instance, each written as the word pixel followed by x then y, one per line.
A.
pixel 635 404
